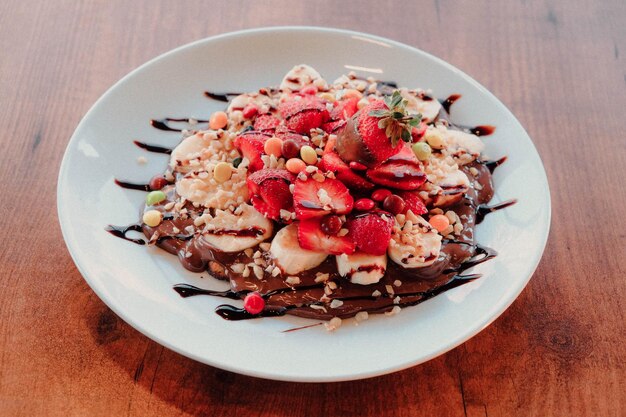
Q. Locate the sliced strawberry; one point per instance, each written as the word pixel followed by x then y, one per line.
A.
pixel 371 232
pixel 417 133
pixel 269 191
pixel 413 202
pixel 400 174
pixel 311 236
pixel 266 122
pixel 330 144
pixel 375 138
pixel 283 133
pixel 316 199
pixel 303 113
pixel 344 109
pixel 405 154
pixel 334 126
pixel 332 162
pixel 251 144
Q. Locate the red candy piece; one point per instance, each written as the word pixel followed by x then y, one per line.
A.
pixel 331 224
pixel 157 182
pixel 380 194
pixel 250 111
pixel 253 303
pixel 364 204
pixel 394 204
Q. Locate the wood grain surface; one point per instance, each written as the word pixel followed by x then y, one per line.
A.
pixel 559 350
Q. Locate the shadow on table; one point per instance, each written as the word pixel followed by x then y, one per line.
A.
pixel 198 389
pixel 471 377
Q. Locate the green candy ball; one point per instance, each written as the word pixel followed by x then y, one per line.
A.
pixel 421 150
pixel 155 197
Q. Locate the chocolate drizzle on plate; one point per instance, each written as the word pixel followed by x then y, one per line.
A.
pixel 132 185
pixel 168 124
pixel 122 231
pixel 220 96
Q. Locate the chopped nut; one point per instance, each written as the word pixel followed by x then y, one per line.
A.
pixel 321 277
pixel 292 280
pixel 333 324
pixel 258 271
pixel 361 316
pixel 395 310
pixel 336 303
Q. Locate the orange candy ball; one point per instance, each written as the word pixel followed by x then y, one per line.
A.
pixel 295 165
pixel 218 120
pixel 273 146
pixel 439 222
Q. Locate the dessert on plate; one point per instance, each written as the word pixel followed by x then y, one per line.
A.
pixel 324 200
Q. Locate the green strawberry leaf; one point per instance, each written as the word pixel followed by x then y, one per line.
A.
pixel 396 121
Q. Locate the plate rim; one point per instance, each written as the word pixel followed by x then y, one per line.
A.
pixel 269 374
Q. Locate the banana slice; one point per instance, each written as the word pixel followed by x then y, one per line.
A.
pixel 429 109
pixel 454 141
pixel 200 187
pixel 261 101
pixel 446 182
pixel 414 244
pixel 234 232
pixel 362 268
pixel 289 256
pixel 301 76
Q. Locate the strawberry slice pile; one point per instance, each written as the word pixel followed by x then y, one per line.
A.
pixel 362 151
pixel 303 113
pixel 251 144
pixel 269 192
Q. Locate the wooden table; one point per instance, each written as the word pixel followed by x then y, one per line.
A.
pixel 558 350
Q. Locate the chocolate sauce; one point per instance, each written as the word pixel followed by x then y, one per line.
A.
pixel 164 124
pixel 492 165
pixel 186 290
pixel 483 209
pixel 310 297
pixel 220 96
pixel 121 231
pixel 303 299
pixel 228 312
pixel 132 186
pixel 153 148
pixel 448 102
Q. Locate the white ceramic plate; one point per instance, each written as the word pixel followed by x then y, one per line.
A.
pixel 136 281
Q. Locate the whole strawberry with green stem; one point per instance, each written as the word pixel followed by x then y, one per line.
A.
pixel 377 131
